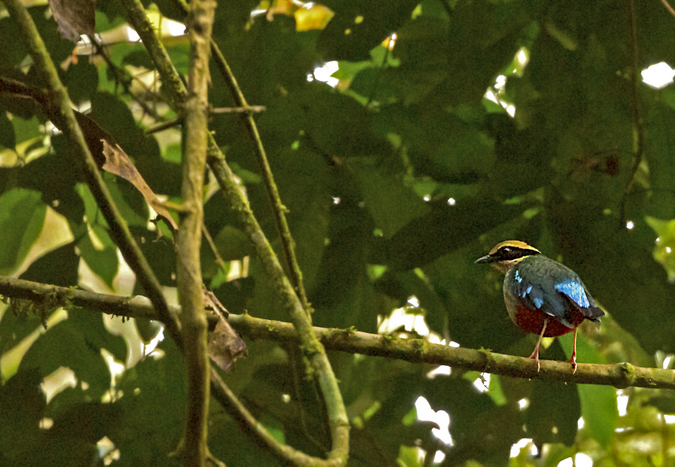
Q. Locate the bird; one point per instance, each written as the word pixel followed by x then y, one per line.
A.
pixel 541 295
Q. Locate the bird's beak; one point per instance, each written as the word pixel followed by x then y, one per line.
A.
pixel 484 259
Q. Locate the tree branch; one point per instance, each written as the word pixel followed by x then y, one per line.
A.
pixel 189 277
pixel 319 366
pixel 279 210
pixel 256 430
pixel 619 375
pixel 58 99
pixel 639 140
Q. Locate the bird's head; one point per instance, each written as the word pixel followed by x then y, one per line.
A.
pixel 506 254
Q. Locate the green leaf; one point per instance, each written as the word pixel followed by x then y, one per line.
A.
pixel 26 129
pixel 115 117
pixel 445 229
pixel 22 216
pixel 232 243
pixel 391 203
pixel 553 412
pixel 349 132
pixel 89 422
pixel 660 155
pixel 102 256
pixel 67 345
pixel 7 136
pixel 138 58
pixel 599 410
pixel 23 405
pixel 129 201
pixel 147 329
pixel 357 27
pixel 154 405
pixel 82 81
pixel 665 403
pixel 58 267
pixel 14 328
pixel 58 47
pixel 90 324
pixel 439 144
pixel 8 35
pixel 58 192
pixel 160 253
pixel 480 430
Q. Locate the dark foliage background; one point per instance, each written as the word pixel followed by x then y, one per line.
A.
pixel 395 181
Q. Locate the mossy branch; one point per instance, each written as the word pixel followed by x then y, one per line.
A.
pixel 278 209
pixel 309 344
pixel 189 277
pixel 59 100
pixel 620 375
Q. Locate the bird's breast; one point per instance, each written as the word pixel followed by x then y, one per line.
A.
pixel 533 320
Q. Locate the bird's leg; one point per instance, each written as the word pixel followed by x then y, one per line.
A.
pixel 574 353
pixel 535 353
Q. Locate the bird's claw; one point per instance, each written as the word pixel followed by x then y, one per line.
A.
pixel 573 361
pixel 535 356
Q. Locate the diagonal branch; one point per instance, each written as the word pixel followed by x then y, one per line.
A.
pixel 619 375
pixel 58 99
pixel 189 275
pixel 311 348
pixel 278 208
pixel 638 121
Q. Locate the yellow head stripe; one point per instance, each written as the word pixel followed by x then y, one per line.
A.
pixel 514 244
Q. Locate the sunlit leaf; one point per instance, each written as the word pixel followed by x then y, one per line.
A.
pixel 22 215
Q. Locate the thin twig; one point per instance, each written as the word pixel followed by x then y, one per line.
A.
pixel 219 259
pixel 222 393
pixel 637 110
pixel 229 110
pixel 278 209
pixel 118 227
pixel 163 126
pixel 123 78
pixel 380 69
pixel 296 369
pixel 668 7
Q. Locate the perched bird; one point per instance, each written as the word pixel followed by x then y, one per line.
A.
pixel 542 296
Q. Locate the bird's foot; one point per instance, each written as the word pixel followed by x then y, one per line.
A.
pixel 573 361
pixel 535 355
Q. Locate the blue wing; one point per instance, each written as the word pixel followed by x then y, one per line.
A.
pixel 543 284
pixel 540 297
pixel 575 291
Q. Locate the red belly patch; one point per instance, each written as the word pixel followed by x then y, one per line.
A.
pixel 533 320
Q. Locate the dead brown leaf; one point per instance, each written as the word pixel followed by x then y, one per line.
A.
pixel 117 162
pixel 225 346
pixel 74 17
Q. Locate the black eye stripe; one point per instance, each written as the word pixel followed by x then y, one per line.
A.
pixel 510 252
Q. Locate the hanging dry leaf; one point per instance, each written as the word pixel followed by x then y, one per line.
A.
pixel 225 346
pixel 74 17
pixel 108 155
pixel 117 162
